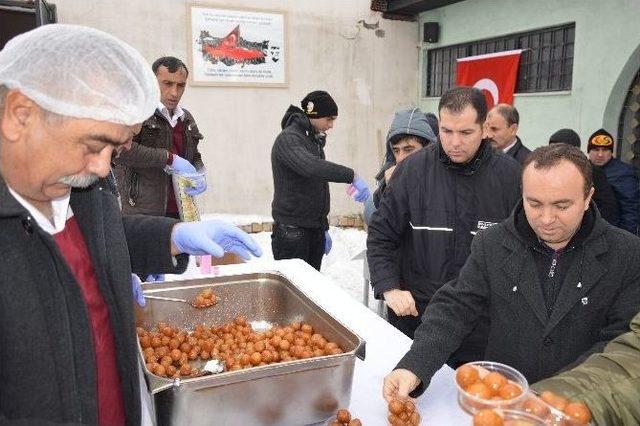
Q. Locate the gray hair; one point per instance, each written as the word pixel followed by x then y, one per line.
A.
pixel 48 116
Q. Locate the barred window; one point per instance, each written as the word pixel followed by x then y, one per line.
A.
pixel 546 63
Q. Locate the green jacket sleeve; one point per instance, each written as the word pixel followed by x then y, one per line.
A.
pixel 608 382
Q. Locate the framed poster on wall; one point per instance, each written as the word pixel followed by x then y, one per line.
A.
pixel 237 47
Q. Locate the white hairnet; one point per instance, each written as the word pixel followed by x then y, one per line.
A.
pixel 80 72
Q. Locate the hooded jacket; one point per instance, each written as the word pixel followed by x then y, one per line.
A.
pixel 301 175
pixel 410 121
pixel 598 297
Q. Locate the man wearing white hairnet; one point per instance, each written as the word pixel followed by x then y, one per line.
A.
pixel 70 98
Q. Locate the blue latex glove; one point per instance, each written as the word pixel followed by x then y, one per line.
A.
pixel 327 242
pixel 155 278
pixel 199 181
pixel 181 165
pixel 362 189
pixel 137 290
pixel 213 237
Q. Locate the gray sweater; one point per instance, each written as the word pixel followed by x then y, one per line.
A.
pixel 301 175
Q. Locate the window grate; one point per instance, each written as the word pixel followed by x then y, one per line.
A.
pixel 546 64
pixel 628 141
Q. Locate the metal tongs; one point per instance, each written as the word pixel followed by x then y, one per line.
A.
pixel 169 299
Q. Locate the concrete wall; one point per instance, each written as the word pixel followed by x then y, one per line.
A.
pixel 369 76
pixel 606 57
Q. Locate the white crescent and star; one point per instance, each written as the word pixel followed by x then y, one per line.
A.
pixel 490 86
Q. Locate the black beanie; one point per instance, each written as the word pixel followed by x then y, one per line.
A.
pixel 567 136
pixel 600 139
pixel 318 104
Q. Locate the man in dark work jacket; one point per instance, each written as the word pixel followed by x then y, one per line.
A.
pixel 556 280
pixel 435 202
pixel 301 177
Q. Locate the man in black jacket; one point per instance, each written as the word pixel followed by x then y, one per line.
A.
pixel 603 196
pixel 555 279
pixel 501 129
pixel 435 203
pixel 301 177
pixel 67 333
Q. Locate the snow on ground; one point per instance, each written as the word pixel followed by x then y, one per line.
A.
pixel 344 265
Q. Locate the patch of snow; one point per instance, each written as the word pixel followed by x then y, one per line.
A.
pixel 344 264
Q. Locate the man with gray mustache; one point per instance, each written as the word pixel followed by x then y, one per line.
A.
pixel 71 98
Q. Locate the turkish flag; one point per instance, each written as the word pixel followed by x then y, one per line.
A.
pixel 495 74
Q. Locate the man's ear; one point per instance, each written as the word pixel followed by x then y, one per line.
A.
pixel 18 114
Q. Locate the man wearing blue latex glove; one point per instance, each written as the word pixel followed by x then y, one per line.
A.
pixel 213 237
pixel 301 177
pixel 167 143
pixel 70 250
pixel 361 192
pixel 327 242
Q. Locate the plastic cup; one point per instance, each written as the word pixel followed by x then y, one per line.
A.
pixel 187 207
pixel 472 404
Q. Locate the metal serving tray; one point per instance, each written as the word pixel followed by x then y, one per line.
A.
pixel 293 393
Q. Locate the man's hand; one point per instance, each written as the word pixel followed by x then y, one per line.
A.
pixel 398 384
pixel 401 302
pixel 388 173
pixel 213 237
pixel 359 189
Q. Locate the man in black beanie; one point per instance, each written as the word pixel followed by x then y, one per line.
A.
pixel 604 197
pixel 620 176
pixel 301 177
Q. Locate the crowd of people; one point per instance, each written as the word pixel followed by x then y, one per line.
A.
pixel 480 247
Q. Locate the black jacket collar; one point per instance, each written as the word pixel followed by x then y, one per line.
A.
pixel 590 227
pixel 9 206
pixel 482 155
pixel 297 120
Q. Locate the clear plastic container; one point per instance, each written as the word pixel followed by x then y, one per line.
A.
pixel 518 418
pixel 472 404
pixel 551 416
pixel 187 207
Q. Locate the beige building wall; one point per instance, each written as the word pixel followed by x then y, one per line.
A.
pixel 368 74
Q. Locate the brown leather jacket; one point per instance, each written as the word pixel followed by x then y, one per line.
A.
pixel 140 174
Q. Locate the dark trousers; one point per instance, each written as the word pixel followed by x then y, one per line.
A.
pixel 294 242
pixel 407 324
pixel 472 347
